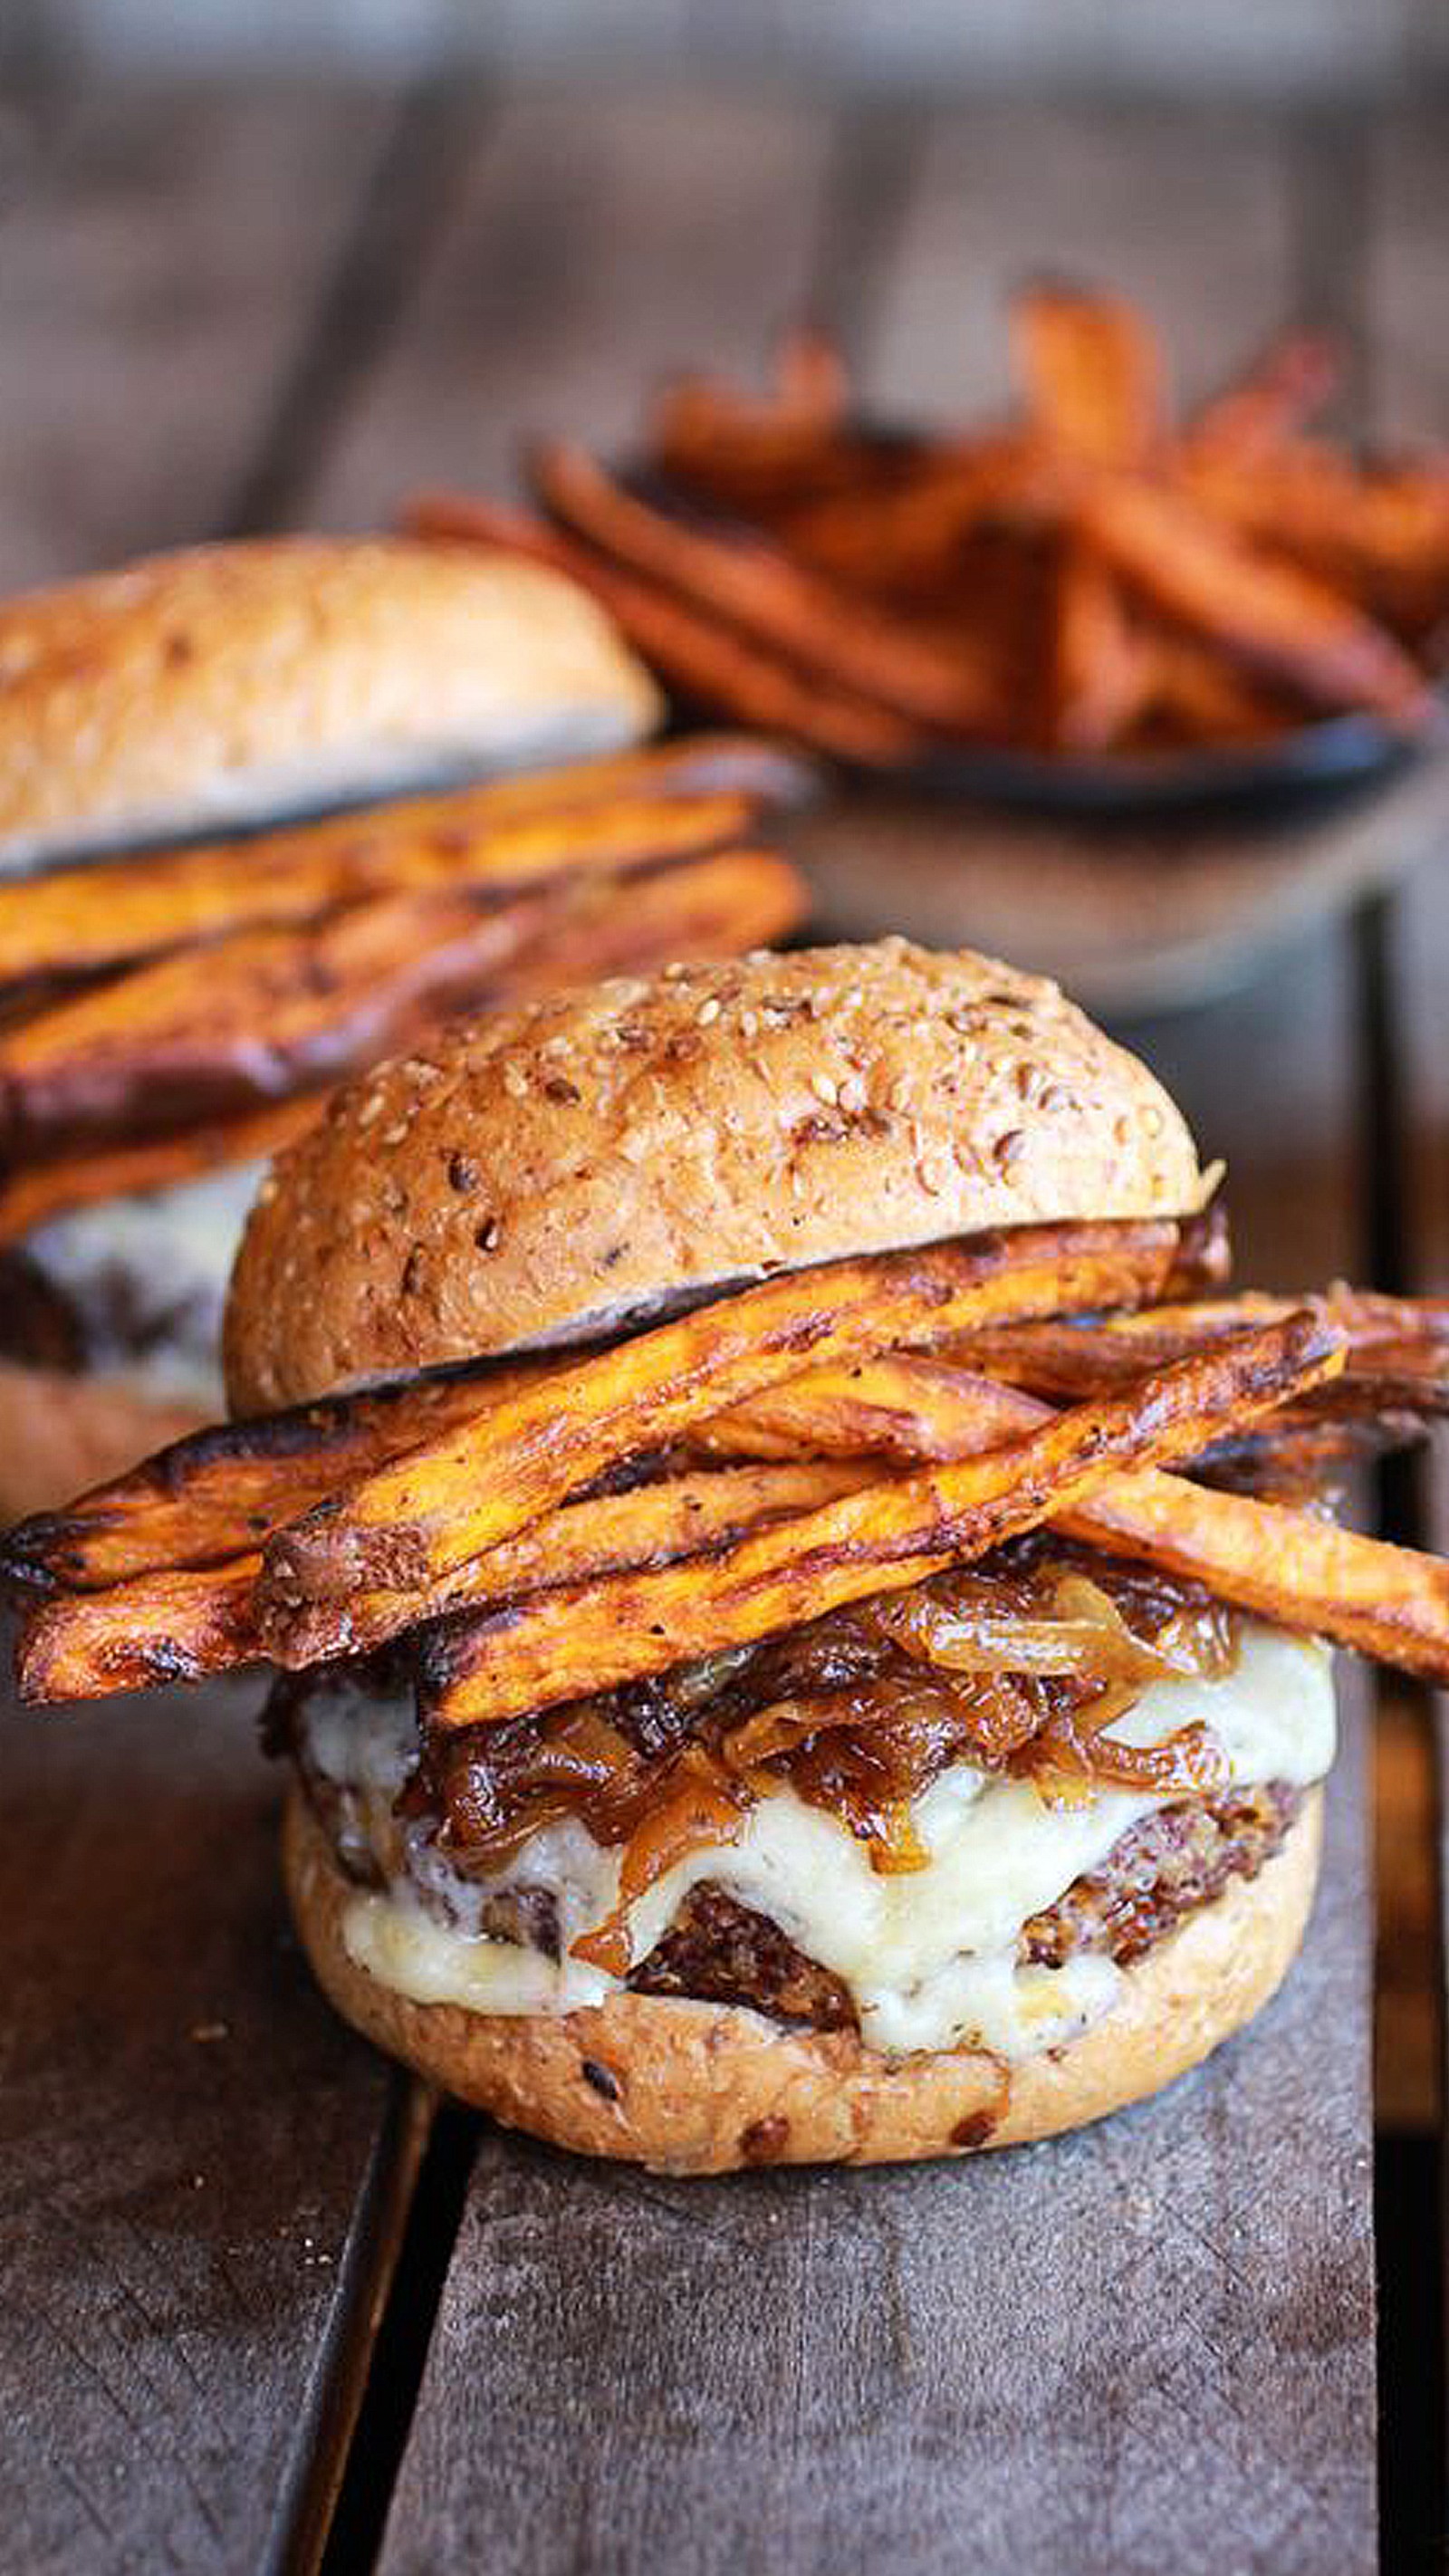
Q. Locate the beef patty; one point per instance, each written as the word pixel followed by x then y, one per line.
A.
pixel 719 1951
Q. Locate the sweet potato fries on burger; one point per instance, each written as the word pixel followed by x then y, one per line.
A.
pixel 802 1605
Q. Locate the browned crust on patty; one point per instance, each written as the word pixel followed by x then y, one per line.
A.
pixel 688 2087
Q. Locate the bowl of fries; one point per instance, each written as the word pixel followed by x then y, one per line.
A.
pixel 1098 601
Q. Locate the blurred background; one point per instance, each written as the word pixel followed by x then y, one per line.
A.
pixel 1284 46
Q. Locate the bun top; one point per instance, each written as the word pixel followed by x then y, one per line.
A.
pixel 233 683
pixel 557 1169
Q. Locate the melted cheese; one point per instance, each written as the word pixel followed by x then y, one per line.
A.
pixel 160 1259
pixel 928 1955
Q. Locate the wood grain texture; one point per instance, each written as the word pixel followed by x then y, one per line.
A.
pixel 600 240
pixel 1150 2345
pixel 1409 394
pixel 185 2137
pixel 161 255
pixel 1184 207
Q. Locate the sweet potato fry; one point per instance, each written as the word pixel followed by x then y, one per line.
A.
pixel 1398 1347
pixel 362 1567
pixel 906 1405
pixel 882 1538
pixel 1272 616
pixel 220 1491
pixel 702 660
pixel 1287 1566
pixel 1381 532
pixel 177 1626
pixel 751 584
pixel 1090 372
pixel 29 1197
pixel 710 907
pixel 1102 669
pixel 169 1627
pixel 900 542
pixel 272 1012
pixel 809 396
pixel 1293 378
pixel 78 919
pixel 758 450
pixel 1303 1572
pixel 1194 695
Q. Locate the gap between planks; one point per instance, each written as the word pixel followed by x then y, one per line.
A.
pixel 1341 215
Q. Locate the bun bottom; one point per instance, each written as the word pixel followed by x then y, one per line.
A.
pixel 696 2088
pixel 60 1434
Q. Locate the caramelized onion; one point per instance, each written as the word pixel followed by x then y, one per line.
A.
pixel 703 1807
pixel 1021 1664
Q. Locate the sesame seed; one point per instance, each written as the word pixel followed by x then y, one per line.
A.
pixel 395 1135
pixel 371 1108
pixel 709 1011
pixel 824 1089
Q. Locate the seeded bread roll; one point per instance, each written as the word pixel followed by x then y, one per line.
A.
pixel 702 2088
pixel 228 684
pixel 568 1165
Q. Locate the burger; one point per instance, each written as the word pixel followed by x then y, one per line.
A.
pixel 173 1003
pixel 802 1606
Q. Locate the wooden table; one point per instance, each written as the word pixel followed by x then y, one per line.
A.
pixel 265 2305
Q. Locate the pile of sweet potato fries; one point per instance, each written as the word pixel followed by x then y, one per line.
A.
pixel 176 1009
pixel 544 1528
pixel 1091 575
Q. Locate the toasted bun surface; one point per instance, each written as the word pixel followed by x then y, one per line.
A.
pixel 61 1434
pixel 231 683
pixel 560 1166
pixel 702 2088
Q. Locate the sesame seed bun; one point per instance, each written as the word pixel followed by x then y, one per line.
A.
pixel 230 684
pixel 560 1168
pixel 698 2088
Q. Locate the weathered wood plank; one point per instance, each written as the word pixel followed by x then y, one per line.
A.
pixel 1184 206
pixel 1408 390
pixel 600 240
pixel 202 2177
pixel 1151 2344
pixel 184 2135
pixel 161 255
